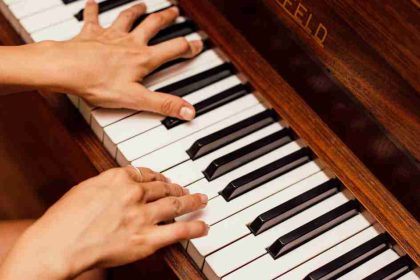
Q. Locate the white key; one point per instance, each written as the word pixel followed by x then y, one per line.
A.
pixel 52 16
pixel 268 268
pixel 86 110
pixel 74 100
pixel 251 247
pixel 371 266
pixel 304 269
pixel 70 28
pixel 144 121
pixel 218 209
pixel 191 171
pixel 24 8
pixel 102 117
pixel 212 188
pixel 234 227
pixel 10 2
pixel 160 136
pixel 175 152
pixel 65 13
pixel 412 275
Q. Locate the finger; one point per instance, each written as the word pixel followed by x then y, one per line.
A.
pixel 165 235
pixel 154 23
pixel 90 13
pixel 149 175
pixel 157 190
pixel 126 19
pixel 165 104
pixel 144 175
pixel 170 207
pixel 173 49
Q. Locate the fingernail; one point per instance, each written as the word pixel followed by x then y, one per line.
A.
pixel 186 191
pixel 204 199
pixel 196 46
pixel 187 113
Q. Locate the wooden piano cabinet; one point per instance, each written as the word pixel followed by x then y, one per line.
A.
pixel 339 158
pixel 291 106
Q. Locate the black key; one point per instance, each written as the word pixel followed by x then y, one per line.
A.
pixel 211 103
pixel 351 259
pixel 206 46
pixel 69 1
pixel 393 270
pixel 314 228
pixel 294 206
pixel 174 31
pixel 201 80
pixel 241 156
pixel 266 173
pixel 225 136
pixel 104 7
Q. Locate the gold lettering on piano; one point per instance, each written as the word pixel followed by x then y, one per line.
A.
pixel 304 17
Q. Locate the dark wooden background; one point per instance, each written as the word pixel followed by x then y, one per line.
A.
pixel 39 161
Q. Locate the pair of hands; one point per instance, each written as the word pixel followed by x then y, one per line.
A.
pixel 114 218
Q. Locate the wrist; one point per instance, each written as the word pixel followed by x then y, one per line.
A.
pixel 31 66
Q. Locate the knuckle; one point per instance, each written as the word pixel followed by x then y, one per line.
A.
pixel 168 106
pixel 157 18
pixel 176 205
pixel 128 14
pixel 184 45
pixel 167 189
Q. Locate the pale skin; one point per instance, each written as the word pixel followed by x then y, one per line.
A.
pixel 121 215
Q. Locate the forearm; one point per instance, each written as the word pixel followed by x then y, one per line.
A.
pixel 24 67
pixel 28 260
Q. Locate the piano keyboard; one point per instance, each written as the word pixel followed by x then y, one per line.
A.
pixel 275 212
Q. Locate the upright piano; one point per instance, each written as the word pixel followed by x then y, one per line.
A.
pixel 306 138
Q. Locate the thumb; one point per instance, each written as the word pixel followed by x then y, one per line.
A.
pixel 165 104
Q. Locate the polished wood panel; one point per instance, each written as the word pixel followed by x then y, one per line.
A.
pixel 334 103
pixel 373 50
pixel 353 173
